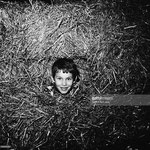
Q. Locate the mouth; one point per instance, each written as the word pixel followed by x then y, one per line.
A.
pixel 64 88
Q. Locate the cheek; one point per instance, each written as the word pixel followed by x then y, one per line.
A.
pixel 70 83
pixel 57 82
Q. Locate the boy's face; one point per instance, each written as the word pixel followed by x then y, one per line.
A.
pixel 63 81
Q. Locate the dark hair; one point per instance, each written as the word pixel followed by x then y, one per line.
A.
pixel 67 65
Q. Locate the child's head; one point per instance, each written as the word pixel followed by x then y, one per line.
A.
pixel 64 73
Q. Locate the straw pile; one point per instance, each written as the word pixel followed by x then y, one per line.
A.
pixel 106 47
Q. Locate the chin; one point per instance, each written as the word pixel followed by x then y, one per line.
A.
pixel 63 92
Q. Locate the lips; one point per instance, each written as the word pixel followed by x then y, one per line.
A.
pixel 64 88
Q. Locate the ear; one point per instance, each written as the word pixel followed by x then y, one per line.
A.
pixel 76 82
pixel 52 79
pixel 77 79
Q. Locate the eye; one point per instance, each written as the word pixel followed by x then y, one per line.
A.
pixel 69 79
pixel 58 78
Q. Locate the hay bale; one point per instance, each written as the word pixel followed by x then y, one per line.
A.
pixel 106 42
pixel 105 47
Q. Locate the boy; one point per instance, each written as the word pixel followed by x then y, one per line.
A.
pixel 65 88
pixel 64 76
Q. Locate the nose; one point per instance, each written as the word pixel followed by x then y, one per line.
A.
pixel 64 82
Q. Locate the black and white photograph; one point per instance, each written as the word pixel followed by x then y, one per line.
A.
pixel 74 75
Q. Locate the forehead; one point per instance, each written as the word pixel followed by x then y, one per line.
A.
pixel 63 74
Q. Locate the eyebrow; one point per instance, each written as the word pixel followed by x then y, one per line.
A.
pixel 61 77
pixel 69 77
pixel 57 76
